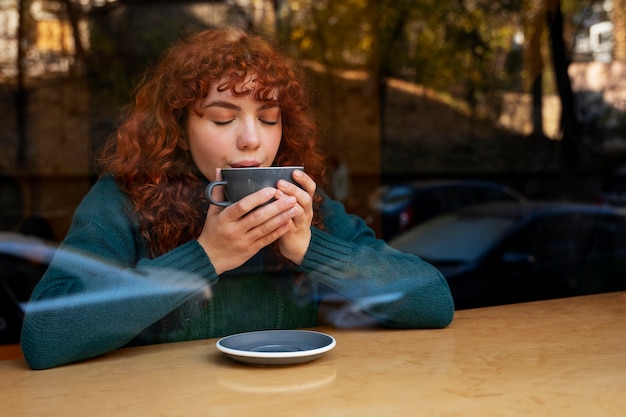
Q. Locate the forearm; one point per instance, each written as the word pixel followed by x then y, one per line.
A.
pixel 397 289
pixel 84 307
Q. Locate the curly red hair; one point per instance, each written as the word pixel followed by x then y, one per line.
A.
pixel 166 189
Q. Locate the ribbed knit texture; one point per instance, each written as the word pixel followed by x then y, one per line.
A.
pixel 102 292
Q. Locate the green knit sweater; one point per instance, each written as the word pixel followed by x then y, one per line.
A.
pixel 102 291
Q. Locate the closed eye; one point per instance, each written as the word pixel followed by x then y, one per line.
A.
pixel 269 115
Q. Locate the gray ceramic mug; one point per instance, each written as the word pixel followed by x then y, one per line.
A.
pixel 240 182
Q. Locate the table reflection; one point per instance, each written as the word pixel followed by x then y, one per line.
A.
pixel 277 380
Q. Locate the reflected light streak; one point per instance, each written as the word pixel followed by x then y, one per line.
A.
pixel 128 283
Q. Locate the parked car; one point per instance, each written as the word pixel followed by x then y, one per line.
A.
pixel 402 206
pixel 501 253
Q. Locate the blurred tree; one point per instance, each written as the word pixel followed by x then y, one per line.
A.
pixel 570 126
pixel 461 48
pixel 534 24
pixel 74 13
pixel 540 15
pixel 339 36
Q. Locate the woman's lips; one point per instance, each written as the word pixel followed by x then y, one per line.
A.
pixel 245 165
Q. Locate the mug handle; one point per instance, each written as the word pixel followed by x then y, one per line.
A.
pixel 209 191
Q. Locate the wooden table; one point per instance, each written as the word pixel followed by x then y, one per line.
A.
pixel 554 358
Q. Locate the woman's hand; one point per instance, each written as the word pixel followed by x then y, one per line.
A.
pixel 234 234
pixel 295 242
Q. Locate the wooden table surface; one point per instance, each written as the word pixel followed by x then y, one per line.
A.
pixel 562 357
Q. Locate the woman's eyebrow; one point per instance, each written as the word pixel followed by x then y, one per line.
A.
pixel 223 104
pixel 232 106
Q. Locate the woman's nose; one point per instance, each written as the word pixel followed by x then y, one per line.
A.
pixel 249 136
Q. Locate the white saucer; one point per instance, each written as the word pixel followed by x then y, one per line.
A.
pixel 276 347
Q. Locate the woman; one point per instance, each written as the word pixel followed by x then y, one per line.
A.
pixel 147 260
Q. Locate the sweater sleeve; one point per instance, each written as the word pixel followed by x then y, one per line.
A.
pixel 397 289
pixel 99 291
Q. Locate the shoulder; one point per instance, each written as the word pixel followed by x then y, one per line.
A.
pixel 103 222
pixel 104 191
pixel 105 199
pixel 106 183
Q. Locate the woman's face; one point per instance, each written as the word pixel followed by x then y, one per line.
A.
pixel 226 131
